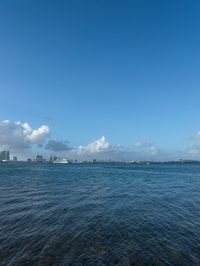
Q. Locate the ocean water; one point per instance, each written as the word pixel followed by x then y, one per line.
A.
pixel 99 214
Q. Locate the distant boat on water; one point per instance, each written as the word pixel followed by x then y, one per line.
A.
pixel 61 161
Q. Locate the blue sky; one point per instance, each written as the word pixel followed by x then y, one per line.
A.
pixel 126 70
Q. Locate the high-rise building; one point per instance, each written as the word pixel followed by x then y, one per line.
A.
pixel 5 156
pixel 15 158
pixel 39 158
pixel 51 159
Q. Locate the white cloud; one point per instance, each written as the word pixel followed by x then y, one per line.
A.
pixel 99 149
pixel 142 144
pixel 99 145
pixel 17 136
pixel 38 135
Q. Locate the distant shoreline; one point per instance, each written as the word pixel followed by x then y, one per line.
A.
pixel 108 162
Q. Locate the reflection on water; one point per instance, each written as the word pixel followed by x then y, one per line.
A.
pixel 99 214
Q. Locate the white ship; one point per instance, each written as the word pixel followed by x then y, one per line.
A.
pixel 61 161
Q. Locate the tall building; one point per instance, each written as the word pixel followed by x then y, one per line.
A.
pixel 39 158
pixel 15 158
pixel 53 158
pixel 5 156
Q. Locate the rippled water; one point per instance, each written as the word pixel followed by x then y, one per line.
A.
pixel 99 214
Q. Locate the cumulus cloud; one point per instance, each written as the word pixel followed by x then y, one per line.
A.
pixel 37 135
pixel 18 136
pixel 57 145
pixel 99 149
pixel 99 145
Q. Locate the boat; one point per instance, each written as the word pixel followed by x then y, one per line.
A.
pixel 61 161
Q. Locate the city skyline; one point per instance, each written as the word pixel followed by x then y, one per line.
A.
pixel 100 79
pixel 6 157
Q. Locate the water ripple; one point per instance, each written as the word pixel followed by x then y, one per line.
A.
pixel 99 214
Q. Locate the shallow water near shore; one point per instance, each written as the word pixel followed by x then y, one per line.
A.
pixel 99 214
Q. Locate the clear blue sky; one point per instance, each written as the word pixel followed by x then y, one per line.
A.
pixel 128 70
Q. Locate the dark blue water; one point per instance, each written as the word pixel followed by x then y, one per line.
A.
pixel 99 214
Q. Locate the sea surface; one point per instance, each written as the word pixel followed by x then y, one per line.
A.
pixel 99 214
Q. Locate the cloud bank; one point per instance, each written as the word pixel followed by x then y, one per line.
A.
pixel 99 149
pixel 97 146
pixel 18 136
pixel 22 139
pixel 57 145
